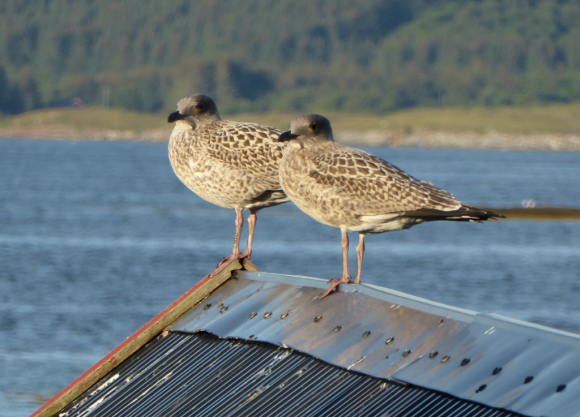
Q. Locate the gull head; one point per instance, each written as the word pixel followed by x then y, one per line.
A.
pixel 309 129
pixel 195 110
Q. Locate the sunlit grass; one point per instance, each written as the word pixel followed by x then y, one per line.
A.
pixel 340 121
pixel 88 118
pixel 561 119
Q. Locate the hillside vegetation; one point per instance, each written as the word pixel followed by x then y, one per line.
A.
pixel 289 55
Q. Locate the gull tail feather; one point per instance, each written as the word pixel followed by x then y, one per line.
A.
pixel 463 214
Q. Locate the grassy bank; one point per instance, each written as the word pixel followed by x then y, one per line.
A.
pixel 448 125
pixel 561 118
pixel 555 119
pixel 86 118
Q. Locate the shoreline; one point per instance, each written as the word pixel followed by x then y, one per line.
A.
pixel 420 139
pixel 496 141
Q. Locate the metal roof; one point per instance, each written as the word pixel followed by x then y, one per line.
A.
pixel 133 343
pixel 264 344
pixel 182 374
pixel 489 359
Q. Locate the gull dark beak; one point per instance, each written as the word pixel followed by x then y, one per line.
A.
pixel 286 136
pixel 174 117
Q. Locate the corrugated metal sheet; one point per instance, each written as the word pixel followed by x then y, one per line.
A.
pixel 387 334
pixel 137 340
pixel 199 374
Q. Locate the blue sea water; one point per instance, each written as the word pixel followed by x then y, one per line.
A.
pixel 96 238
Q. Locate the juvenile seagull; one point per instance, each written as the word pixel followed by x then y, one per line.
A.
pixel 232 165
pixel 358 192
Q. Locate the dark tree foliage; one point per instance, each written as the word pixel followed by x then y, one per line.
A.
pixel 289 55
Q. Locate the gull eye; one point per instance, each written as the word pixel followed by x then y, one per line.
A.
pixel 313 126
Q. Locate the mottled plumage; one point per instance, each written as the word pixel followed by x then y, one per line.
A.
pixel 232 165
pixel 357 191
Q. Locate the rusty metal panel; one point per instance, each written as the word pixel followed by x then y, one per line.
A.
pixel 181 374
pixel 387 334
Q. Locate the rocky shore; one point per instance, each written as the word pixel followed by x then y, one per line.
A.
pixel 396 139
pixel 463 140
pixel 69 133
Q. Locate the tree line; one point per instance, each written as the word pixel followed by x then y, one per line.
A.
pixel 289 55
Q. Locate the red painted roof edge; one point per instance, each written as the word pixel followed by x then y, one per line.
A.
pixel 85 379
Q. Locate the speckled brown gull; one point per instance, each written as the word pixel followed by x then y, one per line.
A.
pixel 232 165
pixel 359 192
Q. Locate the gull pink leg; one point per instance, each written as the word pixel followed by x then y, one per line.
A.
pixel 252 224
pixel 360 252
pixel 345 278
pixel 236 251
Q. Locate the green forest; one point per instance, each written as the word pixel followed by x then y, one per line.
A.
pixel 289 55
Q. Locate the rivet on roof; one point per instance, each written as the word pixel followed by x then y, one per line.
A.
pixel 445 359
pixel 433 354
pixel 268 315
pixel 389 340
pixel 337 329
pixel 283 316
pixel 220 305
pixel 465 361
pixel 481 388
pixel 208 305
pixel 405 353
pixel 317 319
pixel 223 310
pixel 496 371
pixel 561 388
pixel 528 379
pixel 253 315
pixel 366 334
